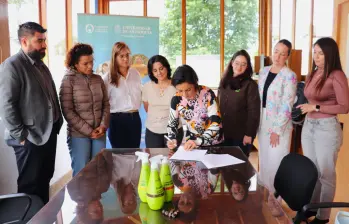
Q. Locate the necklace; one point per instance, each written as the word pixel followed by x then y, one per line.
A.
pixel 162 89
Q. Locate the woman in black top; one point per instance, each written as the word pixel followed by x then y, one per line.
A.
pixel 239 103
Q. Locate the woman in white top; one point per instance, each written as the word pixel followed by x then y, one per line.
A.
pixel 124 91
pixel 156 96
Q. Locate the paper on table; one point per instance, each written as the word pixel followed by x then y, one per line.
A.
pixel 193 155
pixel 220 160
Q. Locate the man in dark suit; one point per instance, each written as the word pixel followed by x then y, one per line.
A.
pixel 30 111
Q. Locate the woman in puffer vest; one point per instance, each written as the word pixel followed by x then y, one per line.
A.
pixel 85 105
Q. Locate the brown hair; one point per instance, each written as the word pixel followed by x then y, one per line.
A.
pixel 114 67
pixel 332 61
pixel 74 54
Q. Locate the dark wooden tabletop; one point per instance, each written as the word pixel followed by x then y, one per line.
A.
pixel 105 191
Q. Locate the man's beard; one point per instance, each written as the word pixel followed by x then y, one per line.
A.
pixel 36 55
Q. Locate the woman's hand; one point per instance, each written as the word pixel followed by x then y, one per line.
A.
pixel 274 139
pixel 189 145
pixel 247 140
pixel 98 132
pixel 307 108
pixel 172 144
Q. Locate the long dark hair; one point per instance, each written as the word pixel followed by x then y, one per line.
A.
pixel 163 61
pixel 332 60
pixel 228 75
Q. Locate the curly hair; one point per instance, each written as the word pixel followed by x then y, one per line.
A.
pixel 74 54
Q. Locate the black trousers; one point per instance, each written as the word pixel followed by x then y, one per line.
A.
pixel 245 148
pixel 125 130
pixel 36 165
pixel 154 140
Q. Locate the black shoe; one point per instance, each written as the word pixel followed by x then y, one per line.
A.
pixel 309 214
pixel 304 217
pixel 319 221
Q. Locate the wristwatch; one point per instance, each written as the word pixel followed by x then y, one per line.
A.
pixel 317 108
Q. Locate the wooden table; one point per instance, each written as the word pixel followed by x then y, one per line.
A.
pixel 105 191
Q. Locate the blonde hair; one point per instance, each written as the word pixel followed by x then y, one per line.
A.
pixel 114 67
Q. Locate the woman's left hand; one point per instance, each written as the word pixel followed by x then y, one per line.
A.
pixel 189 145
pixel 307 108
pixel 247 140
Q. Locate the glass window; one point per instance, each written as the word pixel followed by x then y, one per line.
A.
pixel 128 8
pixel 303 9
pixel 323 19
pixel 286 19
pixel 241 28
pixel 92 6
pixel 56 36
pixel 20 12
pixel 276 22
pixel 78 6
pixel 170 14
pixel 203 40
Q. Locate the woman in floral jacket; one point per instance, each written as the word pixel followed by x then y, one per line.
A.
pixel 277 89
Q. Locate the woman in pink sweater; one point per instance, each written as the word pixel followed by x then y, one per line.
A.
pixel 328 95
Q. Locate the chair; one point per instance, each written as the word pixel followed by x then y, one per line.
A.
pixel 18 208
pixel 295 182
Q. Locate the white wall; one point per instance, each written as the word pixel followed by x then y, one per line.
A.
pixel 8 167
pixel 63 160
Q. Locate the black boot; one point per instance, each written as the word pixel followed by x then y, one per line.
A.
pixel 319 221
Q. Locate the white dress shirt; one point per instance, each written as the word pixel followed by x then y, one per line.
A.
pixel 127 96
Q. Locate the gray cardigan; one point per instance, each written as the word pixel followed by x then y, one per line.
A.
pixel 25 107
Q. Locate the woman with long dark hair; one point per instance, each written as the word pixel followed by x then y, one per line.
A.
pixel 239 103
pixel 327 92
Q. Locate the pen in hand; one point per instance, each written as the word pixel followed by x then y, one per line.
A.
pixel 171 143
pixel 168 139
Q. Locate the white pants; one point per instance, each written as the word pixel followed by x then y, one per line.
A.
pixel 321 141
pixel 270 157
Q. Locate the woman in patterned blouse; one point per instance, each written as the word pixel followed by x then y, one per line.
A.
pixel 197 107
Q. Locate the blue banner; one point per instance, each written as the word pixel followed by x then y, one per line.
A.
pixel 141 34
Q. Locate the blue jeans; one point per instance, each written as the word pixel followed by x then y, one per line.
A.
pixel 82 150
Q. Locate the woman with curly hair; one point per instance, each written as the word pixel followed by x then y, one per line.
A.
pixel 85 106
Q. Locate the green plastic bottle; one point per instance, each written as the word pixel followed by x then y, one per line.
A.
pixel 166 179
pixel 155 191
pixel 144 175
pixel 143 212
pixel 155 217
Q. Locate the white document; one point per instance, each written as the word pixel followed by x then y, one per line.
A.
pixel 220 160
pixel 209 160
pixel 193 155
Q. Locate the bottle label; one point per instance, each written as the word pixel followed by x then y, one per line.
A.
pixel 156 195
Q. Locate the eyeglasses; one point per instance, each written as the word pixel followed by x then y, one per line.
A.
pixel 239 64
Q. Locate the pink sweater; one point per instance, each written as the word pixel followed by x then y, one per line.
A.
pixel 333 97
